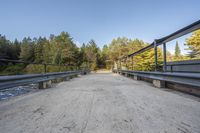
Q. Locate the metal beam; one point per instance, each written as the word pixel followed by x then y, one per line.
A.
pixel 188 29
pixel 155 56
pixel 18 80
pixel 192 79
pixel 142 50
pixel 164 58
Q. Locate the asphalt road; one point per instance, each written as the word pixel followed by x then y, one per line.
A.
pixel 101 103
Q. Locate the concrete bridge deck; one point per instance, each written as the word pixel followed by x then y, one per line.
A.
pixel 101 103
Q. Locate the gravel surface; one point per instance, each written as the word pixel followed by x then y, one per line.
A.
pixel 101 103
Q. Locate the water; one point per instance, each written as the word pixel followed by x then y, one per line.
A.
pixel 16 91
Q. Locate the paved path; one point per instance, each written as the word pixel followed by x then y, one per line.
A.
pixel 101 103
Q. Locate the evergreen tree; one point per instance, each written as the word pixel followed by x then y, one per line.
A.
pixel 193 53
pixel 82 55
pixel 104 57
pixel 193 42
pixel 16 49
pixel 177 50
pixel 5 50
pixel 27 50
pixel 38 50
pixel 92 54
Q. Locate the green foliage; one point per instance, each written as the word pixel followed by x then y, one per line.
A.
pixel 32 68
pixel 122 47
pixel 27 50
pixel 193 42
pixel 177 50
pixel 9 50
pixel 64 49
pixel 12 69
pixel 61 50
pixel 104 57
pixel 92 54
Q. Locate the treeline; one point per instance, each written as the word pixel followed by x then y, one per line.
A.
pixel 61 50
pixel 123 46
pixel 58 50
pixel 145 61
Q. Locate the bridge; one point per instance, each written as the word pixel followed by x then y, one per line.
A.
pixel 120 101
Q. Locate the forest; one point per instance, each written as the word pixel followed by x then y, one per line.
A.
pixel 63 54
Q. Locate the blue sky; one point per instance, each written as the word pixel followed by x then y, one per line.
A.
pixel 101 20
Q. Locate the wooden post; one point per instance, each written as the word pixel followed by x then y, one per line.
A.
pixel 165 58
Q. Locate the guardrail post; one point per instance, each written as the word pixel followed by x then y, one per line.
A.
pixel 165 58
pixel 159 83
pixel 66 78
pixel 135 77
pixel 42 85
pixel 45 84
pixel 155 55
pixel 49 83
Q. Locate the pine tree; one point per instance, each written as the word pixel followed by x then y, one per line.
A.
pixel 27 50
pixel 177 50
pixel 92 54
pixel 16 49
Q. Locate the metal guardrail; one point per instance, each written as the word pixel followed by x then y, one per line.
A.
pixel 25 79
pixel 19 80
pixel 191 79
pixel 162 41
pixel 190 66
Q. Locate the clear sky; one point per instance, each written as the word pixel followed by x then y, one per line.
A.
pixel 101 20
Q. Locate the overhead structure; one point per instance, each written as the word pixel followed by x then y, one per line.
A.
pixel 162 41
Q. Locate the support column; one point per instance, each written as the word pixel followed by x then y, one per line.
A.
pixel 42 85
pixel 136 77
pixel 155 55
pixel 159 83
pixel 66 78
pixel 49 84
pixel 45 84
pixel 165 58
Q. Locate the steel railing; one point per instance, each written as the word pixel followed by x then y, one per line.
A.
pixel 25 79
pixel 162 41
pixel 191 79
